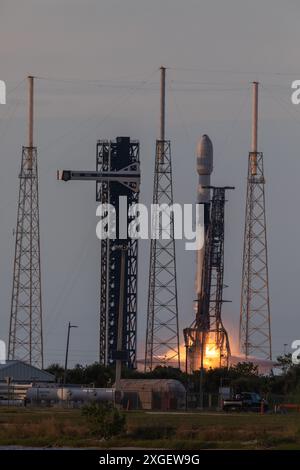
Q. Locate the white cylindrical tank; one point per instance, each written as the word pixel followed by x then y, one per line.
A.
pixel 42 394
pixel 13 402
pixel 85 394
pixel 105 394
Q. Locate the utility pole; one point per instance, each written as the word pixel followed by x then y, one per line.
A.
pixel 67 350
pixel 25 330
pixel 162 335
pixel 255 320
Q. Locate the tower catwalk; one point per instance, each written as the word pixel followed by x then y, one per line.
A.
pixel 162 336
pixel 25 332
pixel 255 327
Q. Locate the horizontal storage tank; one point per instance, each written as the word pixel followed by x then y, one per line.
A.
pixel 86 394
pixel 42 394
pixel 70 394
pixel 11 402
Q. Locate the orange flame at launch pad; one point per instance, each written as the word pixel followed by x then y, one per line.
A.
pixel 214 353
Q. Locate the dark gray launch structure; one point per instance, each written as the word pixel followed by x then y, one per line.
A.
pixel 117 176
pixel 122 155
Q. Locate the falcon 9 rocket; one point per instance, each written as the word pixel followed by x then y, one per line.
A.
pixel 204 154
pixel 206 340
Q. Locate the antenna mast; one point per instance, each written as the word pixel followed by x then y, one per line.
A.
pixel 25 331
pixel 162 336
pixel 255 321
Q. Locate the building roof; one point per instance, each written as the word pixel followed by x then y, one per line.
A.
pixel 21 372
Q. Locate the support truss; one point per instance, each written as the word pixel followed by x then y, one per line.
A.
pixel 255 324
pixel 25 332
pixel 162 336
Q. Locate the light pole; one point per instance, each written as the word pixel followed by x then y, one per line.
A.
pixel 67 350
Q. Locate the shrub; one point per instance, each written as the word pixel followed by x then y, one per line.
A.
pixel 105 420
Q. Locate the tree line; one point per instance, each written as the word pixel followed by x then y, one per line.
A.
pixel 243 376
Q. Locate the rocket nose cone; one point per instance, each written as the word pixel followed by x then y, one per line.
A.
pixel 204 153
pixel 204 146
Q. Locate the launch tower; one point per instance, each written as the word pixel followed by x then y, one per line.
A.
pixel 255 322
pixel 25 330
pixel 162 335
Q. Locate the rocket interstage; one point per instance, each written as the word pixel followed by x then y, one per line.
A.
pixel 206 340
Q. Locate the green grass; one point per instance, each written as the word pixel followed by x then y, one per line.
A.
pixel 50 427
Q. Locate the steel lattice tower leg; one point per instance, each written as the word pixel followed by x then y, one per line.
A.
pixel 162 336
pixel 25 332
pixel 255 324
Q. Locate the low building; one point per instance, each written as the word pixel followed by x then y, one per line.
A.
pixel 20 372
pixel 153 394
pixel 15 379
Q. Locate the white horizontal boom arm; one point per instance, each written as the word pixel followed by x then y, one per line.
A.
pixel 119 176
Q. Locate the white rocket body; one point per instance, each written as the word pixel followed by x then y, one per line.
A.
pixel 204 154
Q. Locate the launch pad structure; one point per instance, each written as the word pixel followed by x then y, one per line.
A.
pixel 162 334
pixel 25 329
pixel 116 156
pixel 255 318
pixel 206 340
pixel 117 176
